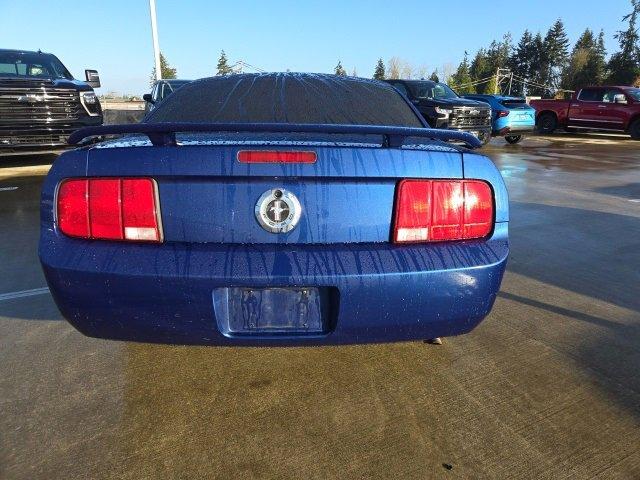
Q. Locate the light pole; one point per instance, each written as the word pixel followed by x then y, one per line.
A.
pixel 154 33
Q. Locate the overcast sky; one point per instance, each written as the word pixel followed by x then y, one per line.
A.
pixel 114 36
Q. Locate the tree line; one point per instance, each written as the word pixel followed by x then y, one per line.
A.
pixel 545 66
pixel 538 65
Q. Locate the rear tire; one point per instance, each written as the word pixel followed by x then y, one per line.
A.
pixel 547 123
pixel 634 129
pixel 513 139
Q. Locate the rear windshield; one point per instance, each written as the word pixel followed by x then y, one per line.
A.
pixel 31 65
pixel 286 98
pixel 514 103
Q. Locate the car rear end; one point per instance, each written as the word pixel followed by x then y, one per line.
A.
pixel 155 242
pixel 513 116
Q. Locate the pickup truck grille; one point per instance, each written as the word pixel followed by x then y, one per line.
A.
pixel 469 117
pixel 24 105
pixel 35 138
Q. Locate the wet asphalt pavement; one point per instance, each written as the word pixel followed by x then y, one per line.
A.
pixel 547 387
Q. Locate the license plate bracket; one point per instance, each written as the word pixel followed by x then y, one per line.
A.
pixel 272 311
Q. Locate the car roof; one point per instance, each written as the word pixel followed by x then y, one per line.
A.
pixel 497 97
pixel 28 52
pixel 423 80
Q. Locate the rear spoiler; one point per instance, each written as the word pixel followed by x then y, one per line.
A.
pixel 164 134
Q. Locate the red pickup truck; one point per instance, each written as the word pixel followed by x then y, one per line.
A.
pixel 592 108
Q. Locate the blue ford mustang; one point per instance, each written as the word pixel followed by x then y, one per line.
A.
pixel 275 209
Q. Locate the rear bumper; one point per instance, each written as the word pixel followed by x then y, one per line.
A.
pixel 510 125
pixel 163 293
pixel 514 129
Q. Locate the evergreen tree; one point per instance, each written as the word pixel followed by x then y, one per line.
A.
pixel 461 78
pixel 479 69
pixel 487 61
pixel 167 72
pixel 587 41
pixel 520 63
pixel 339 70
pixel 379 73
pixel 539 68
pixel 586 65
pixel 556 54
pixel 434 76
pixel 354 73
pixel 599 60
pixel 624 65
pixel 223 65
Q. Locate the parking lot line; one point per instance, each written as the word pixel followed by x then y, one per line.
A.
pixel 23 293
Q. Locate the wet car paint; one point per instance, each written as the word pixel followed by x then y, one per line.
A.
pixel 163 293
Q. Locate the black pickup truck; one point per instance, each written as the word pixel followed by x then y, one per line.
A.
pixel 443 108
pixel 41 103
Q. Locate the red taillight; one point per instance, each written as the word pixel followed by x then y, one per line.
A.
pixel 502 113
pixel 442 210
pixel 109 209
pixel 274 156
pixel 73 208
pixel 139 212
pixel 105 214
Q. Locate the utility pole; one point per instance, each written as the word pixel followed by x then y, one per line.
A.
pixel 154 33
pixel 501 74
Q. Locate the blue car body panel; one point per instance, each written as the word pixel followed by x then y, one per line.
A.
pixel 163 293
pixel 338 264
pixel 521 118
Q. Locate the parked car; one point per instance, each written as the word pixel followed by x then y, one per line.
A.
pixel 161 90
pixel 443 108
pixel 41 103
pixel 511 117
pixel 606 108
pixel 275 209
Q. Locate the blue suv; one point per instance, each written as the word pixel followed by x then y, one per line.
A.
pixel 512 117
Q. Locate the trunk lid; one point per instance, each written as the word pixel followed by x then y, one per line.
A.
pixel 207 196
